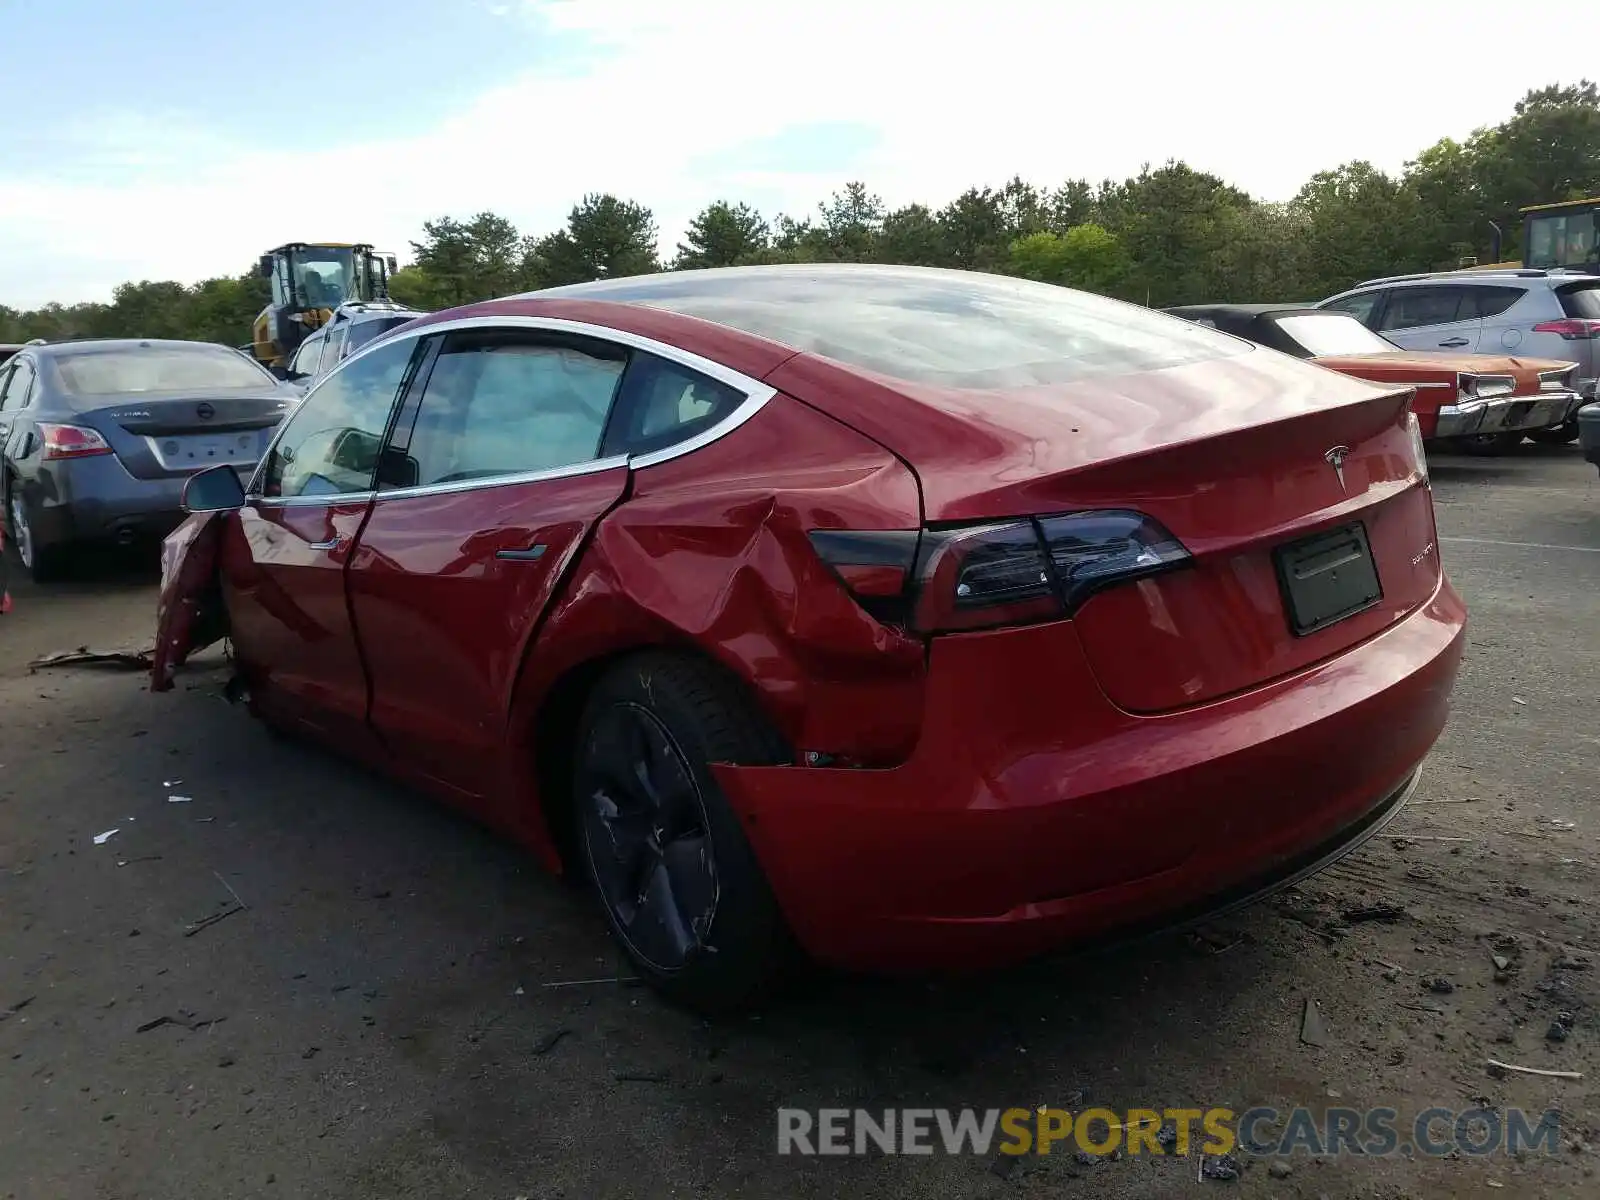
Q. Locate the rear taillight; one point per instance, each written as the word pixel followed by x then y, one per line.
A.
pixel 1419 450
pixel 1571 329
pixel 1006 573
pixel 874 565
pixel 1557 380
pixel 1484 387
pixel 71 441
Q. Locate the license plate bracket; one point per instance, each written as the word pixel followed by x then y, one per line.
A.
pixel 1327 577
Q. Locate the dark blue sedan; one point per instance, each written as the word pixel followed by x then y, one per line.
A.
pixel 97 437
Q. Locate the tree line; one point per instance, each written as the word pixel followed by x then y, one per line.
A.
pixel 1170 235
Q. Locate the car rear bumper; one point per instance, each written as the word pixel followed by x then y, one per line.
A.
pixel 96 499
pixel 1034 813
pixel 1507 415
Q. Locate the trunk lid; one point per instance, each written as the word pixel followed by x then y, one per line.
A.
pixel 1231 456
pixel 172 435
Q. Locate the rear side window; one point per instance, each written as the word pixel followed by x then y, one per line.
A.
pixel 948 328
pixel 1490 301
pixel 505 404
pixel 1411 308
pixel 668 403
pixel 1360 307
pixel 364 331
pixel 1583 301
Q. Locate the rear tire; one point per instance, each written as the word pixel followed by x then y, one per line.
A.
pixel 678 882
pixel 44 564
pixel 1557 435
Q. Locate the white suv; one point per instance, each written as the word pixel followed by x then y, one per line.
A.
pixel 1540 314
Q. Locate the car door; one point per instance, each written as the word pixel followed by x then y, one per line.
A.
pixel 497 452
pixel 1432 318
pixel 284 564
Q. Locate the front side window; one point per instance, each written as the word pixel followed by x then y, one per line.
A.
pixel 503 403
pixel 334 351
pixel 1360 307
pixel 1412 308
pixel 330 445
pixel 305 360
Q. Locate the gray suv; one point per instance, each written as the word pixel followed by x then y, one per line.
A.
pixel 1536 314
pixel 350 328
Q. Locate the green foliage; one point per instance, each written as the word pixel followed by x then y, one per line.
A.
pixel 1085 256
pixel 605 238
pixel 1171 234
pixel 723 235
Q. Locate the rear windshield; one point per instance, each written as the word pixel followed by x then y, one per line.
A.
pixel 157 369
pixel 949 328
pixel 1333 333
pixel 1582 301
pixel 364 332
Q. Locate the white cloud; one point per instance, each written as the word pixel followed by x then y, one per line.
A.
pixel 1260 93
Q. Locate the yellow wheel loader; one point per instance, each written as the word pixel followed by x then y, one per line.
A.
pixel 310 280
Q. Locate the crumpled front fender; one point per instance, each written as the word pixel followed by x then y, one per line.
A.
pixel 190 614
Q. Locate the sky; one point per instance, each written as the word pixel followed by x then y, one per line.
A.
pixel 179 139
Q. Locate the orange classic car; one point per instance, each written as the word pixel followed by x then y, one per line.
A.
pixel 1485 403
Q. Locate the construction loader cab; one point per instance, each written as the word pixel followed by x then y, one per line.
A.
pixel 310 281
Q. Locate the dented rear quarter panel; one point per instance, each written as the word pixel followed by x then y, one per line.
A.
pixel 709 552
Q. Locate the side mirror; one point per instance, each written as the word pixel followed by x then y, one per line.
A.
pixel 264 266
pixel 216 489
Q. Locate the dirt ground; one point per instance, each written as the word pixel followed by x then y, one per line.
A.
pixel 377 1020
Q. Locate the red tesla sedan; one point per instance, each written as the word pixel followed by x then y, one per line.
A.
pixel 907 618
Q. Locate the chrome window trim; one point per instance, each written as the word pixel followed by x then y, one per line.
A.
pixel 756 394
pixel 325 498
pixel 593 466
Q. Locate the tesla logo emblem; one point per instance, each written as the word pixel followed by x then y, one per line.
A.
pixel 205 412
pixel 1336 458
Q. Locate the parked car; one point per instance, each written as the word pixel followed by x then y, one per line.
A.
pixel 97 437
pixel 351 327
pixel 1483 402
pixel 1551 314
pixel 921 618
pixel 1589 432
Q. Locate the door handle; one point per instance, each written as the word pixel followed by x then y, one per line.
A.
pixel 1453 342
pixel 531 554
pixel 330 544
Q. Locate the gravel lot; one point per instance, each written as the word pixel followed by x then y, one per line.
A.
pixel 376 1021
